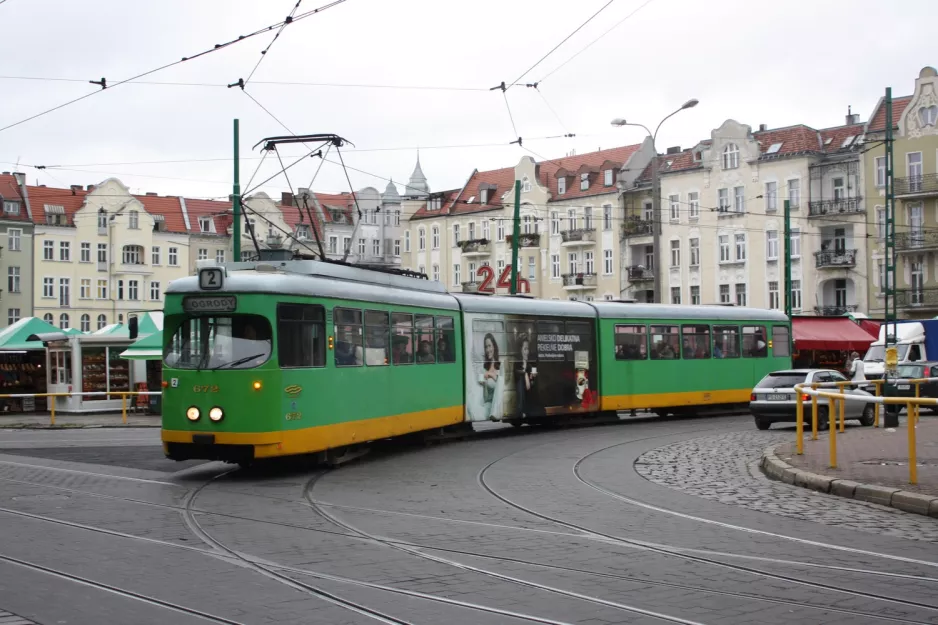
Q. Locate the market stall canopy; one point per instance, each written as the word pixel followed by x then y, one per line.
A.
pixel 149 347
pixel 15 337
pixel 147 323
pixel 72 331
pixel 830 333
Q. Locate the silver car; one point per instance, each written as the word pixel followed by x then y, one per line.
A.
pixel 773 399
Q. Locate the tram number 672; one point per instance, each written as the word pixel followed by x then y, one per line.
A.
pixel 487 273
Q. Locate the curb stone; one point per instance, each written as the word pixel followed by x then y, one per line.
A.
pixel 916 503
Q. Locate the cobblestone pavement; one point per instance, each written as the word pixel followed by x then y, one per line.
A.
pixel 539 526
pixel 725 469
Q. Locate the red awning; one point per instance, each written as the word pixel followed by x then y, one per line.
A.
pixel 870 326
pixel 830 333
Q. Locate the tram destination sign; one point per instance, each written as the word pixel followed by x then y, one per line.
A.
pixel 205 304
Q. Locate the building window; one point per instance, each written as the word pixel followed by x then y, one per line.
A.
pixel 532 269
pixel 397 247
pixel 731 156
pixel 436 273
pixel 693 200
pixel 526 224
pixel 346 245
pixel 65 251
pixel 133 290
pixel 407 241
pixel 397 218
pixel 102 321
pixel 675 295
pixel 219 256
pixel 14 239
pixel 525 185
pixel 839 188
pixel 723 200
pixel 86 252
pixel 674 202
pixel 421 240
pixel 588 261
pixel 206 224
pixel 500 265
pixel 435 238
pixel 724 294
pixel 456 271
pixel 133 220
pixel 487 229
pixel 376 247
pixel 880 171
pixel 607 262
pixel 795 243
pixel 584 181
pixel 333 245
pixel 203 253
pixel 771 245
pixel 472 230
pixel 48 287
pixel 63 321
pixel 695 295
pixel 740 294
pixel 120 289
pixel 102 289
pixel 361 247
pixel 11 208
pixel 588 217
pixel 173 257
pixel 648 211
pixel 155 291
pixel 102 219
pixel 695 252
pixel 771 196
pixel 13 315
pixel 102 253
pixel 739 199
pixel 571 218
pixel 794 193
pixel 13 279
pixel 48 318
pixel 561 185
pixel 554 222
pixel 796 294
pixel 133 255
pixel 48 250
pixel 675 253
pixel 572 262
pixel 84 291
pixel 65 295
pixel 455 234
pixel 773 295
pixel 607 178
pixel 555 265
pixel 740 246
pixel 724 240
pixel 607 217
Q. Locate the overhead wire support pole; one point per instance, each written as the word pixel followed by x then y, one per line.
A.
pixel 890 418
pixel 515 235
pixel 236 196
pixel 788 259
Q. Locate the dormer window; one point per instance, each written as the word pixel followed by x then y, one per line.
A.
pixel 484 196
pixel 561 186
pixel 302 232
pixel 607 178
pixel 584 181
pixel 55 215
pixel 338 216
pixel 435 203
pixel 11 208
pixel 206 224
pixel 525 185
pixel 731 156
pixel 159 224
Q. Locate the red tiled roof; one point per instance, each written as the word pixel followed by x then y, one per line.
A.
pixel 449 199
pixel 70 200
pixel 878 120
pixel 220 212
pixel 838 135
pixel 171 210
pixel 549 169
pixel 794 139
pixel 10 190
pixel 501 179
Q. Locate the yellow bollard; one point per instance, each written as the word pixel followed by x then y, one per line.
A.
pixel 124 406
pixel 799 421
pixel 843 410
pixel 913 468
pixel 876 407
pixel 814 414
pixel 832 426
pixel 52 411
pixel 917 408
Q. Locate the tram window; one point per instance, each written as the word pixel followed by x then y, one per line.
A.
pixel 665 343
pixel 631 342
pixel 348 342
pixel 445 339
pixel 377 334
pixel 423 336
pixel 402 338
pixel 696 342
pixel 300 335
pixel 549 327
pixel 781 345
pixel 725 341
pixel 754 342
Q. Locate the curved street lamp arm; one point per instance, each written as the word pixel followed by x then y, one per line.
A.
pixel 655 136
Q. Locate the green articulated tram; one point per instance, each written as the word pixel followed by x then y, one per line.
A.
pixel 278 358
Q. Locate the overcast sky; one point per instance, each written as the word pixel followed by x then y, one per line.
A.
pixel 778 63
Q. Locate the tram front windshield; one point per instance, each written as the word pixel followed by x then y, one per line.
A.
pixel 220 342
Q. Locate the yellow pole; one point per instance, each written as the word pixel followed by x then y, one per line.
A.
pixel 814 414
pixel 799 421
pixel 876 407
pixel 843 409
pixel 917 408
pixel 913 469
pixel 832 426
pixel 124 406
pixel 52 411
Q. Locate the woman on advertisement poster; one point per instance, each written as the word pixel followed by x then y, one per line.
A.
pixel 489 389
pixel 526 379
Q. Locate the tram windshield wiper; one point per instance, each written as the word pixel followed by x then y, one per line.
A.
pixel 239 361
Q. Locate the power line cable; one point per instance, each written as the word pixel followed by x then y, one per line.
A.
pixel 286 22
pixel 103 82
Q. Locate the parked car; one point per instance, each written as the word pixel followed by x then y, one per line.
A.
pixel 903 388
pixel 773 399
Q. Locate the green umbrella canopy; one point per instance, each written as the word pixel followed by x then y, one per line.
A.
pixel 149 347
pixel 147 323
pixel 13 338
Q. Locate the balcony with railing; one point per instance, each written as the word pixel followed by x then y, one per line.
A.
pixel 640 274
pixel 634 227
pixel 526 239
pixel 841 206
pixel 835 310
pixel 578 281
pixel 832 259
pixel 578 236
pixel 915 240
pixel 921 186
pixel 917 298
pixel 475 247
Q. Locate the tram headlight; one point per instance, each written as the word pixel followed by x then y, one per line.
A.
pixel 193 413
pixel 216 414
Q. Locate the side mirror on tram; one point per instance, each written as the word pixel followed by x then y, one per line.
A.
pixel 132 327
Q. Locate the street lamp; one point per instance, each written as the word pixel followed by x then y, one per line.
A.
pixel 655 191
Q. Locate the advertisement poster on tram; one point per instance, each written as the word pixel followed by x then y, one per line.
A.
pixel 531 367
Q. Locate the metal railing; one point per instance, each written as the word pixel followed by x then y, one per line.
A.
pixel 640 274
pixel 835 311
pixel 926 183
pixel 916 239
pixel 835 258
pixel 578 235
pixel 581 279
pixel 839 400
pixel 637 227
pixel 123 395
pixel 842 206
pixel 475 246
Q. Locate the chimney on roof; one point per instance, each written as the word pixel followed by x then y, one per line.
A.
pixel 674 149
pixel 90 188
pixel 852 118
pixel 763 127
pixel 151 194
pixel 6 173
pixel 286 198
pixel 77 187
pixel 20 178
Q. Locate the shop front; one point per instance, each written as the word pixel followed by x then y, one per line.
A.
pixel 22 366
pixel 827 342
pixel 147 353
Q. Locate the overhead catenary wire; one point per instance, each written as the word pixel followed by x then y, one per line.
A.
pixel 286 22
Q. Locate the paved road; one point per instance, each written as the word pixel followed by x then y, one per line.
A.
pixel 649 521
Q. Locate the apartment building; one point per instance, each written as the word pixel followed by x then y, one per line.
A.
pixel 915 180
pixel 16 249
